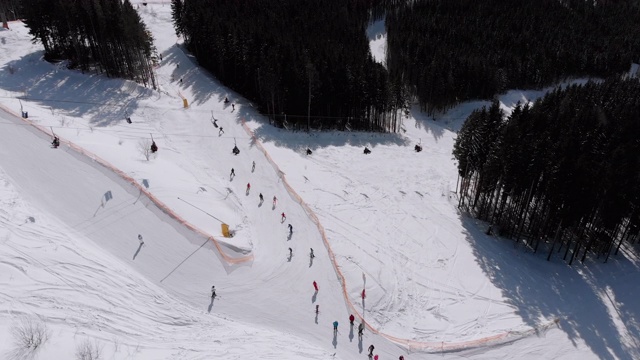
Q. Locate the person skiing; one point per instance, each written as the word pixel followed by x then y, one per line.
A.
pixel 290 252
pixel 335 326
pixel 275 200
pixel 140 239
pixel 56 142
pixel 309 152
pixel 261 198
pixel 315 285
pixel 248 187
pixel 360 329
pixel 366 150
pixel 226 100
pixel 401 357
pixel 221 131
pixel 351 318
pixel 233 172
pixel 363 294
pixel 235 150
pixel 154 147
pixel 253 166
pixel 311 255
pixel 317 309
pixel 371 347
pixel 215 122
pixel 284 217
pixel 233 107
pixel 213 291
pixel 290 229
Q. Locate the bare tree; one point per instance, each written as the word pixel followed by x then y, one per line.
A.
pixel 88 350
pixel 29 335
pixel 144 147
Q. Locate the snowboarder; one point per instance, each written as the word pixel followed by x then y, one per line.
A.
pixel 221 131
pixel 366 150
pixel 290 229
pixel 309 152
pixel 290 252
pixel 56 142
pixel 233 172
pixel 284 217
pixel 360 329
pixel 315 285
pixel 335 326
pixel 213 291
pixel 253 167
pixel 371 347
pixel 154 147
pixel 351 318
pixel 261 198
pixel 311 255
pixel 140 239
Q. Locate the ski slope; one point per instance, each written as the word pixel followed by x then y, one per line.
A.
pixel 434 281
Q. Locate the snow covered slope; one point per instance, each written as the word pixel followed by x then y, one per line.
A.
pixel 433 280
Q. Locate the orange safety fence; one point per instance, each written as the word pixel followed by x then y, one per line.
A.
pixel 412 345
pixel 159 204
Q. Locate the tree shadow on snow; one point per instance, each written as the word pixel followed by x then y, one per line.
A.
pixel 72 93
pixel 580 296
pixel 137 251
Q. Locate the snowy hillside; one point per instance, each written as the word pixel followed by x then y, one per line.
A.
pixel 386 223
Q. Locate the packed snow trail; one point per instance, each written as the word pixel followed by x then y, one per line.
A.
pixel 271 291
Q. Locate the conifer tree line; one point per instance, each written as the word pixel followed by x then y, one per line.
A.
pixel 450 51
pixel 107 36
pixel 563 172
pixel 294 58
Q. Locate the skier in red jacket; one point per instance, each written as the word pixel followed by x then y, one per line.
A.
pixel 351 318
pixel 315 285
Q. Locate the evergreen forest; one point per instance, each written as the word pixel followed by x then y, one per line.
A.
pixel 107 36
pixel 563 172
pixel 450 51
pixel 303 63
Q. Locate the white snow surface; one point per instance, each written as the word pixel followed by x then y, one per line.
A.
pixel 436 285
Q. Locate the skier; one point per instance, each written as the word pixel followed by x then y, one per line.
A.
pixel 284 217
pixel 366 150
pixel 140 239
pixel 363 294
pixel 226 100
pixel 215 122
pixel 275 200
pixel 290 229
pixel 213 291
pixel 375 357
pixel 233 107
pixel 233 172
pixel 371 347
pixel 290 252
pixel 261 198
pixel 360 329
pixel 351 318
pixel 315 285
pixel 317 309
pixel 253 166
pixel 154 147
pixel 335 326
pixel 221 131
pixel 235 150
pixel 401 357
pixel 248 187
pixel 311 255
pixel 56 142
pixel 309 152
